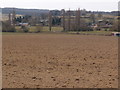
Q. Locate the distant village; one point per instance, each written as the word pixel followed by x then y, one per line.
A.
pixel 69 20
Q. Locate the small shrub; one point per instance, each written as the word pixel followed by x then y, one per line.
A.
pixel 25 29
pixel 7 27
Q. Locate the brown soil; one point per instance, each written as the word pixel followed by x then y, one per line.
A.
pixel 59 61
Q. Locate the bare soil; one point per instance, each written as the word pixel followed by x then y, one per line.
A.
pixel 59 61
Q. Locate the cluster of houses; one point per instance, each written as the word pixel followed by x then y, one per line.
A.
pixel 100 24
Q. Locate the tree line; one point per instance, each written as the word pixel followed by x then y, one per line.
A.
pixel 69 20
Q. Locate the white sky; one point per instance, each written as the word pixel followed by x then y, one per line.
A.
pixel 94 5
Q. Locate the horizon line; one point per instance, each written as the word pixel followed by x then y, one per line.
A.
pixel 60 9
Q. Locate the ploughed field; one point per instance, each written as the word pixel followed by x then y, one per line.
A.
pixel 59 61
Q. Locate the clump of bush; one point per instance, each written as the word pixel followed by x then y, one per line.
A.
pixel 25 29
pixel 7 27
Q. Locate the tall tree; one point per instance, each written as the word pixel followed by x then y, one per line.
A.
pixel 78 19
pixel 63 14
pixel 92 17
pixel 50 20
pixel 118 24
pixel 10 18
pixel 69 20
pixel 100 16
pixel 13 17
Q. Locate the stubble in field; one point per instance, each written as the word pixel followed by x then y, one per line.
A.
pixel 59 61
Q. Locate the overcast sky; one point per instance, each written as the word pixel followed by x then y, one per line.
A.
pixel 94 5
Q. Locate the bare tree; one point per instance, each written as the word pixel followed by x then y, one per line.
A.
pixel 33 20
pixel 50 20
pixel 118 25
pixel 92 17
pixel 10 18
pixel 78 19
pixel 69 20
pixel 63 13
pixel 100 16
pixel 13 17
